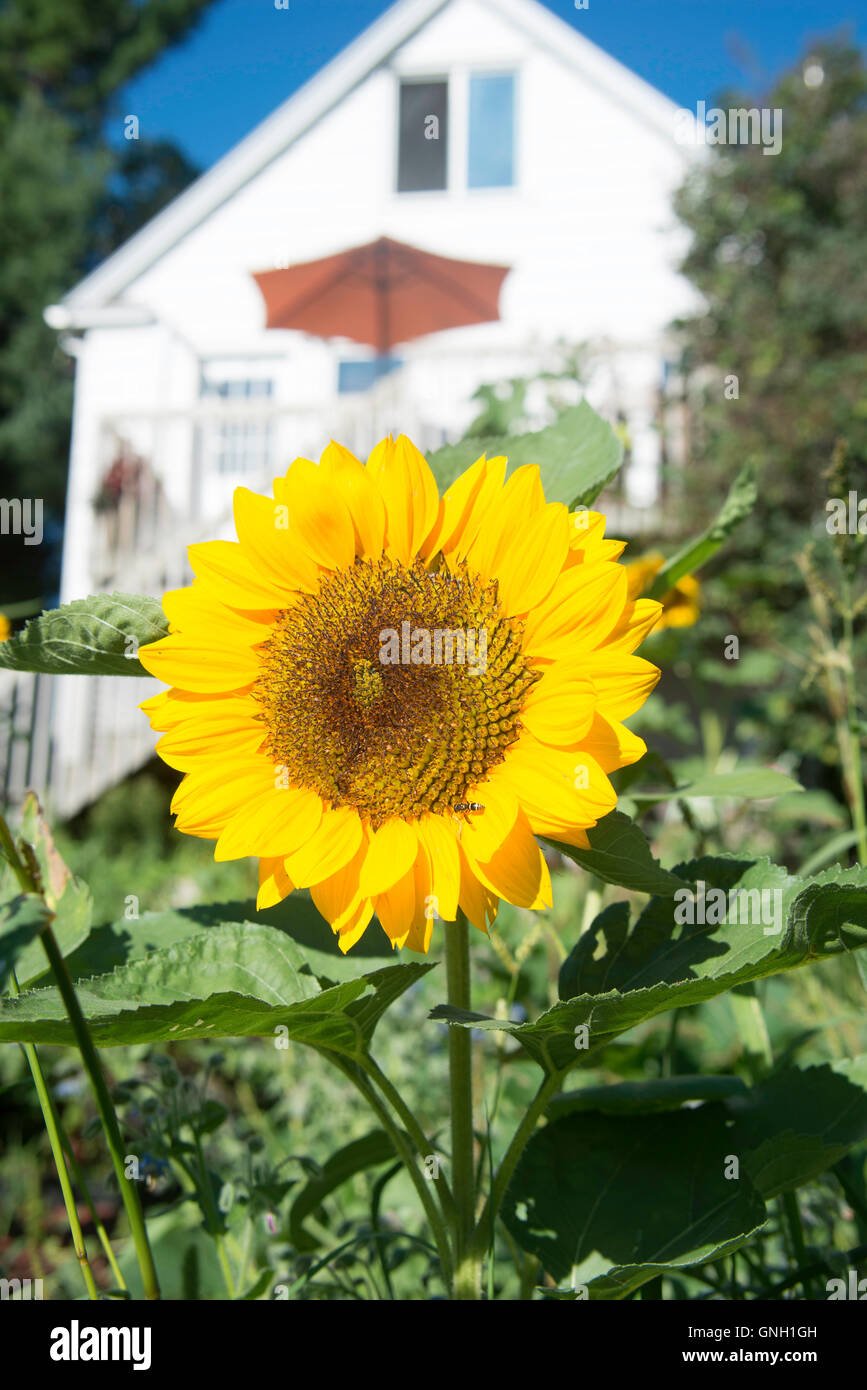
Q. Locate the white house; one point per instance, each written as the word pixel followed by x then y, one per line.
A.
pixel 547 156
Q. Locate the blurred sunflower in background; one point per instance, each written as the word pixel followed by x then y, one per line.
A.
pixel 5 627
pixel 322 728
pixel 680 606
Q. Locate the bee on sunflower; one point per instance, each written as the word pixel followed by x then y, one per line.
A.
pixel 301 746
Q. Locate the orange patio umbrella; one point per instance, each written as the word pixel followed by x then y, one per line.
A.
pixel 383 293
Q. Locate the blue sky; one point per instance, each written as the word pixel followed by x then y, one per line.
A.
pixel 247 56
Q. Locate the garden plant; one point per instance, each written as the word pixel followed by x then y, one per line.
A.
pixel 420 693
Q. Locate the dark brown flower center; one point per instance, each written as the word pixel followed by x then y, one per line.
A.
pixel 393 690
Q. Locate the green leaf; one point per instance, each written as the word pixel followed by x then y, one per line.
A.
pixel 738 504
pixel 646 1097
pixel 618 976
pixel 799 1122
pixel 67 897
pixel 96 636
pixel 784 1132
pixel 234 980
pixel 553 1209
pixel 116 943
pixel 368 1152
pixel 577 455
pixel 22 918
pixel 619 853
pixel 752 783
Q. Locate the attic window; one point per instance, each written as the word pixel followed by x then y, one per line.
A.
pixel 491 162
pixel 422 136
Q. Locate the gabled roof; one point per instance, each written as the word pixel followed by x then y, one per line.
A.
pixel 318 96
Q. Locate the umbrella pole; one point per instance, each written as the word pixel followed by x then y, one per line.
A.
pixel 381 281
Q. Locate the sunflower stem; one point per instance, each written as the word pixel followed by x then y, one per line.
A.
pixel 54 1132
pixel 99 1226
pixel 92 1065
pixel 413 1128
pixel 468 1264
pixel 355 1071
pixel 111 1129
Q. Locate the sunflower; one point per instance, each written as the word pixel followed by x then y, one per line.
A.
pixel 384 695
pixel 680 607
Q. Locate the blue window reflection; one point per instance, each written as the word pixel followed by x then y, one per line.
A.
pixel 492 131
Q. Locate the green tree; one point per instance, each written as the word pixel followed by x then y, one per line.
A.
pixel 778 254
pixel 67 200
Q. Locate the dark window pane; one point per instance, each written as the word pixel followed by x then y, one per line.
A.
pixel 492 131
pixel 423 136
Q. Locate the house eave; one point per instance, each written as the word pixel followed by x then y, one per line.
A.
pixel 322 93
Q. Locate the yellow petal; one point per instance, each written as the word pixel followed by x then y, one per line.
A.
pixel 357 489
pixel 201 665
pixel 209 737
pixel 392 852
pixel 521 498
pixel 472 516
pixel 274 883
pixel 395 908
pixel 236 580
pixel 339 898
pixel 440 843
pixel 455 507
pixel 517 872
pixel 271 540
pixel 171 708
pixel 583 606
pixel 560 787
pixel 332 844
pixel 530 568
pixel 275 823
pixel 197 610
pixel 477 901
pixel 586 528
pixel 622 682
pixel 424 913
pixel 206 800
pixel 484 831
pixel 612 744
pixel 570 835
pixel 636 621
pixel 356 925
pixel 409 491
pixel 319 519
pixel 559 711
